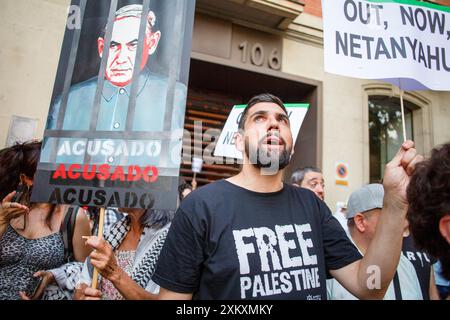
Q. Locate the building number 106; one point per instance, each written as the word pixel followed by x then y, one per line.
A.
pixel 258 55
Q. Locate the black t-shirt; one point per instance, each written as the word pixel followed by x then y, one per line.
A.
pixel 421 262
pixel 227 242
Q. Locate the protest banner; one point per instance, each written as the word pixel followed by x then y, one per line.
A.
pixel 403 42
pixel 225 146
pixel 113 134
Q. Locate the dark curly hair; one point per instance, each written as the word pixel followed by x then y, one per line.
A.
pixel 181 187
pixel 429 200
pixel 21 158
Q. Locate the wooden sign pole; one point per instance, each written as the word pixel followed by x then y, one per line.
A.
pixel 402 108
pixel 101 222
pixel 194 181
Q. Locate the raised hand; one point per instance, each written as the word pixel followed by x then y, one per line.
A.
pixel 7 203
pixel 397 175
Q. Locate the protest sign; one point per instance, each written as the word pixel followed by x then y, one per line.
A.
pixel 113 134
pixel 225 146
pixel 403 42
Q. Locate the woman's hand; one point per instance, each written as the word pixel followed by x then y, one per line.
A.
pixel 11 210
pixel 47 279
pixel 84 292
pixel 7 203
pixel 103 258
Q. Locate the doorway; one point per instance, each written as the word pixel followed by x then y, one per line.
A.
pixel 214 89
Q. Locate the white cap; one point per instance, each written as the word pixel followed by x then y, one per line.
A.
pixel 364 199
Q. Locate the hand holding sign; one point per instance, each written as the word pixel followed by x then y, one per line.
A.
pixel 397 175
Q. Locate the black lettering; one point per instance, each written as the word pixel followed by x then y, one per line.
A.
pixel 228 138
pixel 100 197
pixel 368 41
pixel 114 201
pixel 85 200
pixel 377 10
pixel 133 202
pixel 413 46
pixel 422 55
pixel 381 49
pixel 434 57
pixel 355 45
pixel 367 19
pixel 66 196
pixel 55 197
pixel 436 20
pixel 408 15
pixel 238 118
pixel 419 18
pixel 146 201
pixel 341 44
pixel 444 61
pixel 421 25
pixel 347 15
pixel 396 47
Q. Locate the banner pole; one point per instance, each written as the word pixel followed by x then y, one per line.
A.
pixel 194 181
pixel 403 115
pixel 101 222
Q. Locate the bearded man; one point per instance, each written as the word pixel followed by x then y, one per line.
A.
pixel 254 237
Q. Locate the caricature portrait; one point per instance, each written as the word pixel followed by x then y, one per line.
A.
pixel 113 113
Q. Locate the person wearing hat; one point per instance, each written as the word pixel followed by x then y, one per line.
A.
pixel 363 210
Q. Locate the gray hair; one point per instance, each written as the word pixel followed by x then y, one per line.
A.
pixel 135 10
pixel 299 174
pixel 157 218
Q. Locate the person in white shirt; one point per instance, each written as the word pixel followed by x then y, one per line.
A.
pixel 364 207
pixel 341 214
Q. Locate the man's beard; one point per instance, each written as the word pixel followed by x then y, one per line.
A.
pixel 269 159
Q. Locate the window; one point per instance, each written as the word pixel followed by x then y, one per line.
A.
pixel 385 131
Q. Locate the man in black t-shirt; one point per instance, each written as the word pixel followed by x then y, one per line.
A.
pixel 253 237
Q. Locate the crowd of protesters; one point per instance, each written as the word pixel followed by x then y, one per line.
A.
pixel 226 237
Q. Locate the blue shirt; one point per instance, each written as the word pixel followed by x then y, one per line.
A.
pixel 439 278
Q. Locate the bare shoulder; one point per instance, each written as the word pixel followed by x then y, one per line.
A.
pixel 82 215
pixel 82 221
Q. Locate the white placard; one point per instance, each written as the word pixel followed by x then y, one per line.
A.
pixel 403 42
pixel 225 146
pixel 21 129
pixel 197 164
